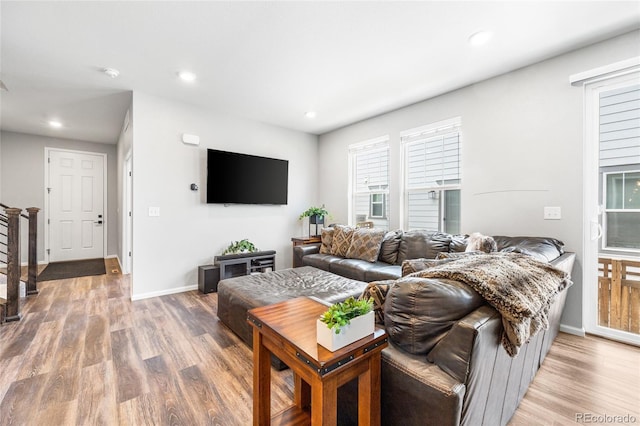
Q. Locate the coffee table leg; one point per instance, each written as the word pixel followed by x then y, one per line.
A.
pixel 369 393
pixel 261 381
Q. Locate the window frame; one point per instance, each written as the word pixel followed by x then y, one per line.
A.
pixel 438 129
pixel 370 145
pixel 606 211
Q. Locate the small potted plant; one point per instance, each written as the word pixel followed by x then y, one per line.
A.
pixel 316 216
pixel 242 246
pixel 344 323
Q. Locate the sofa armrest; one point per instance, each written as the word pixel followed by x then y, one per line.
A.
pixel 301 251
pixel 453 353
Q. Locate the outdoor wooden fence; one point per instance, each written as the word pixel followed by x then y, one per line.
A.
pixel 619 294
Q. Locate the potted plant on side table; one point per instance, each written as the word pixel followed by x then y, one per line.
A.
pixel 316 217
pixel 345 322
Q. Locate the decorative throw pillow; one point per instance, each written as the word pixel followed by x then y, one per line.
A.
pixel 365 244
pixel 479 242
pixel 377 290
pixel 342 236
pixel 410 266
pixel 326 236
pixel 389 247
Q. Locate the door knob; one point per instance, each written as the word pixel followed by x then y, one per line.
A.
pixel 98 222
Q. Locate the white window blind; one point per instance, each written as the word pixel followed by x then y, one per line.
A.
pixel 370 182
pixel 432 177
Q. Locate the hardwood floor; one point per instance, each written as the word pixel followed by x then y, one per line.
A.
pixel 85 355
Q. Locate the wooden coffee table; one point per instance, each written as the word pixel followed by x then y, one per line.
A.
pixel 288 331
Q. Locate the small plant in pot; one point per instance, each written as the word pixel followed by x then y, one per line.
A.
pixel 344 323
pixel 242 246
pixel 316 216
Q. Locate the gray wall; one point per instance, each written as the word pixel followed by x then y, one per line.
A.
pixel 521 151
pixel 22 178
pixel 168 249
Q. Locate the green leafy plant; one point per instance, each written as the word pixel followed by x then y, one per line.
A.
pixel 242 246
pixel 341 314
pixel 314 211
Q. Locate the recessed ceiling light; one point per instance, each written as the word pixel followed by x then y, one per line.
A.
pixel 111 72
pixel 55 124
pixel 480 38
pixel 310 114
pixel 187 76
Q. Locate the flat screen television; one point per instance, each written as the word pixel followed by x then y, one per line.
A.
pixel 234 178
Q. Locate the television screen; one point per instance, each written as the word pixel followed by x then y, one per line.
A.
pixel 234 178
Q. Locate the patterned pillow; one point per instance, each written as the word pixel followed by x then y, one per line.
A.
pixel 410 266
pixel 365 244
pixel 377 291
pixel 327 239
pixel 341 240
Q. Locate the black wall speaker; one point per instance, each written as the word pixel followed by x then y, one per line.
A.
pixel 208 277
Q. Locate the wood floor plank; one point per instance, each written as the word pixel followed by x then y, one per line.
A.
pixel 129 368
pixel 97 344
pixel 90 356
pixel 166 388
pixel 97 401
pixel 40 357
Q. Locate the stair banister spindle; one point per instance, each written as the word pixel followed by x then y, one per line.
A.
pixel 13 265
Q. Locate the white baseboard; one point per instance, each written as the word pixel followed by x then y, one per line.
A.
pixel 42 262
pixel 572 330
pixel 163 292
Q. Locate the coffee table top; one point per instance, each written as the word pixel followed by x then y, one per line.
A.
pixel 295 321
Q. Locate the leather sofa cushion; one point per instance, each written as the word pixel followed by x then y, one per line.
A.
pixel 458 243
pixel 351 268
pixel 320 261
pixel 542 248
pixel 389 247
pixel 382 271
pixel 419 312
pixel 420 243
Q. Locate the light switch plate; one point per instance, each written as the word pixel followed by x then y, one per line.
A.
pixel 154 211
pixel 552 213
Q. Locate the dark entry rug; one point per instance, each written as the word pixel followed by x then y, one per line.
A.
pixel 72 269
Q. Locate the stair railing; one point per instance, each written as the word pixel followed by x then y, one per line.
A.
pixel 10 255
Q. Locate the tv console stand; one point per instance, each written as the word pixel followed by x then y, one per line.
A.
pixel 235 265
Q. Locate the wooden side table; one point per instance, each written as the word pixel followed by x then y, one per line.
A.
pixel 299 241
pixel 288 331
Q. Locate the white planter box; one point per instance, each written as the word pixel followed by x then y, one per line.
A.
pixel 357 329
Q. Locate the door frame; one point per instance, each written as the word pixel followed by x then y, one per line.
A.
pixel 127 216
pixel 47 208
pixel 592 210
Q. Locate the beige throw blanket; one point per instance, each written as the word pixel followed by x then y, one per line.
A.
pixel 518 286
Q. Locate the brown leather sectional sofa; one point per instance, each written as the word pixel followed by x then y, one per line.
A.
pixel 467 377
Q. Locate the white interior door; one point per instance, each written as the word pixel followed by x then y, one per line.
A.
pixel 76 205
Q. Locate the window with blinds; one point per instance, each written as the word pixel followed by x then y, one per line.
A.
pixel 369 182
pixel 432 177
pixel 619 136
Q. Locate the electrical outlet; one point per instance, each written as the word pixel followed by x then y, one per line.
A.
pixel 154 211
pixel 552 213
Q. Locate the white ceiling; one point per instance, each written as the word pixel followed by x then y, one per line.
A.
pixel 271 61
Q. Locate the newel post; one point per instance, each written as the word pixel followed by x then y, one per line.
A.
pixel 13 265
pixel 32 285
